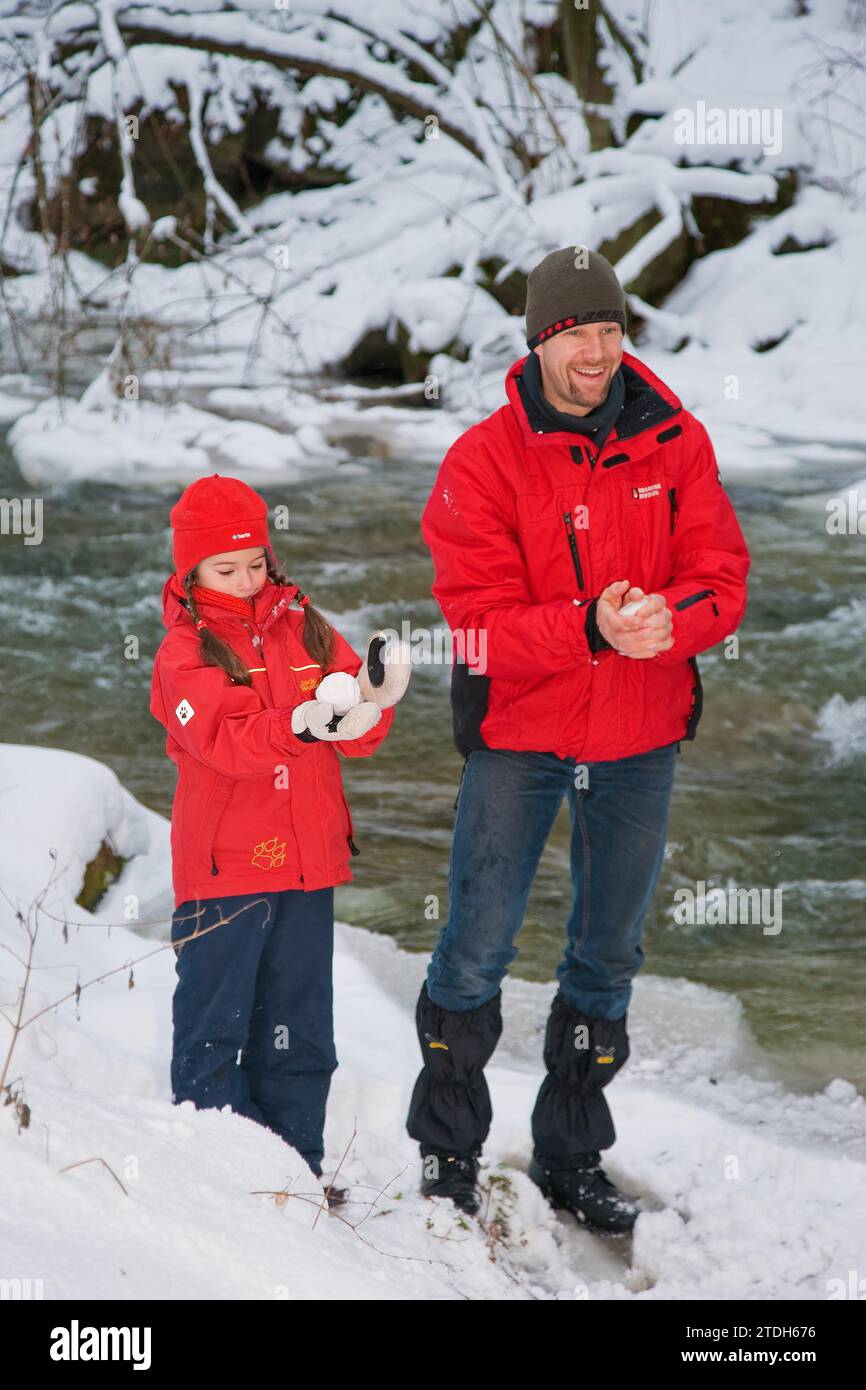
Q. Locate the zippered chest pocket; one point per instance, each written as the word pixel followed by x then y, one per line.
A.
pixel 646 522
pixel 568 518
pixel 647 492
pixel 551 532
pixel 648 502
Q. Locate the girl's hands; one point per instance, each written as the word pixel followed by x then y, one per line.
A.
pixel 385 672
pixel 380 683
pixel 315 719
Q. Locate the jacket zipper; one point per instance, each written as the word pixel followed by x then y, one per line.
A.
pixel 249 627
pixel 672 494
pixel 575 558
pixel 695 598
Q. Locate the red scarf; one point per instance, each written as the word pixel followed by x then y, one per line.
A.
pixel 200 594
pixel 243 606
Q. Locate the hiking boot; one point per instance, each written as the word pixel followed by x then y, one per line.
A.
pixel 457 1178
pixel 584 1189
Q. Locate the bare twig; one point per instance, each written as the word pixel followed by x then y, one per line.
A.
pixel 81 1163
pixel 282 1196
pixel 352 1139
pixel 20 1023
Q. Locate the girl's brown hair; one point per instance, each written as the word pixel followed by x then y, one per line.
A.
pixel 318 635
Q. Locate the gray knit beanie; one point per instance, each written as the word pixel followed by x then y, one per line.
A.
pixel 561 294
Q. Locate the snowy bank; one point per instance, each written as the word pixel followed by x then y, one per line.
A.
pixel 748 1191
pixel 412 189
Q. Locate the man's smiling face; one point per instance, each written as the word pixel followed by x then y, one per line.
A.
pixel 577 366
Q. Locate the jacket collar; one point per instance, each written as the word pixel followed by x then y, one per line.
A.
pixel 270 603
pixel 240 607
pixel 595 426
pixel 648 403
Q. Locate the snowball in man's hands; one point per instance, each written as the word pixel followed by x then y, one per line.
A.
pixel 340 690
pixel 636 604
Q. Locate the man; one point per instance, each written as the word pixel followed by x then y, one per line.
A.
pixel 591 488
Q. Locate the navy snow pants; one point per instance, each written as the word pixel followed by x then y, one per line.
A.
pixel 252 1010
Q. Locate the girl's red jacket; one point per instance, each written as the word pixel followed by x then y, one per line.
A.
pixel 256 809
pixel 527 526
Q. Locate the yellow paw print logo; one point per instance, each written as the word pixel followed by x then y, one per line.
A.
pixel 270 854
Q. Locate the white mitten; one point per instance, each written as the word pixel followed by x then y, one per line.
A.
pixel 385 672
pixel 340 690
pixel 317 718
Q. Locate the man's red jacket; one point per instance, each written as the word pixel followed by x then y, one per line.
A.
pixel 525 534
pixel 256 808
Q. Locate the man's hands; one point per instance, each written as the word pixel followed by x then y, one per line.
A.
pixel 641 636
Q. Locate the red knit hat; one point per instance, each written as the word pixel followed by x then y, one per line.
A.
pixel 215 515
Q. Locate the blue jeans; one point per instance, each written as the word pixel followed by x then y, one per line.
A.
pixel 506 806
pixel 253 1010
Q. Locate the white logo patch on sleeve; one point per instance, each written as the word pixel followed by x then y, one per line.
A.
pixel 184 711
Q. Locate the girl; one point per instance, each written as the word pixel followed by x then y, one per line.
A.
pixel 261 831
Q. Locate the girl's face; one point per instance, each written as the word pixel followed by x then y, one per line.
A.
pixel 240 573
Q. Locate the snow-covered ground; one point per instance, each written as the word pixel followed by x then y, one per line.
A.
pixel 749 1191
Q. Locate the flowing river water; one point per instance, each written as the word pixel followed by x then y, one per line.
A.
pixel 769 795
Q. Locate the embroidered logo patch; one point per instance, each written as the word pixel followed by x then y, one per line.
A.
pixel 310 684
pixel 604 1054
pixel 270 854
pixel 184 711
pixel 646 490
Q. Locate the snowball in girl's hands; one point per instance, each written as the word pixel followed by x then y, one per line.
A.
pixel 637 603
pixel 340 690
